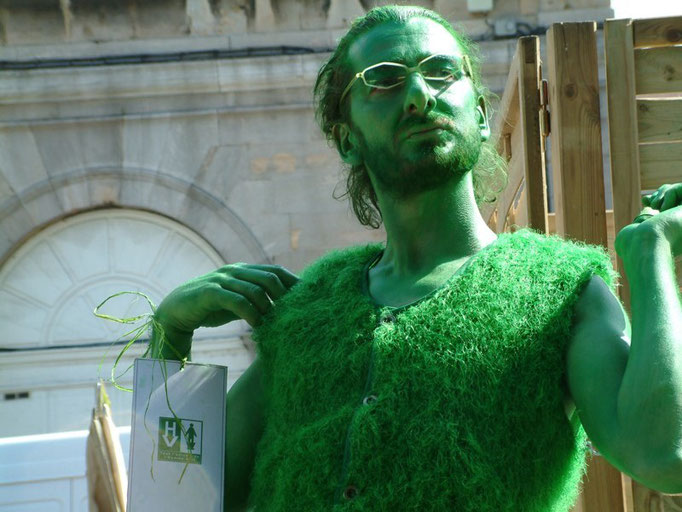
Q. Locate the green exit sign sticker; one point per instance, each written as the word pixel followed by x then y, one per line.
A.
pixel 180 440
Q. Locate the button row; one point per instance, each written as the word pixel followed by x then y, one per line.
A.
pixel 351 492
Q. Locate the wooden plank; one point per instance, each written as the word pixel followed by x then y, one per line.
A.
pixel 657 32
pixel 515 175
pixel 500 209
pixel 659 120
pixel 505 205
pixel 553 88
pixel 535 214
pixel 506 143
pixel 489 213
pixel 506 199
pixel 660 164
pixel 646 500
pixel 516 215
pixel 505 122
pixel 520 208
pixel 491 220
pixel 602 490
pixel 623 148
pixel 658 70
pixel 579 505
pixel 508 113
pixel 628 499
pixel 576 131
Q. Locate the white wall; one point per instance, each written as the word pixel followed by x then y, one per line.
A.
pixel 46 473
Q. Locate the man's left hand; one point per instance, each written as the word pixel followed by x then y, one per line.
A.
pixel 660 220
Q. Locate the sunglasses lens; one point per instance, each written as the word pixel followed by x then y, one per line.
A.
pixel 384 76
pixel 439 70
pixel 441 67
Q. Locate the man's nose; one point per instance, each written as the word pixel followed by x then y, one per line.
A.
pixel 419 98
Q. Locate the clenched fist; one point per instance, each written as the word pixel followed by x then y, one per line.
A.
pixel 660 221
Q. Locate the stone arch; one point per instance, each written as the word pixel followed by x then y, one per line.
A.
pixel 56 348
pixel 59 196
pixel 50 285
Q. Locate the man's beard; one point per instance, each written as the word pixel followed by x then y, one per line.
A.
pixel 429 166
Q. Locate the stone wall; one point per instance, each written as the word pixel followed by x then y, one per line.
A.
pixel 49 21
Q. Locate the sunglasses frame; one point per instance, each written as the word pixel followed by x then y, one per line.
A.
pixel 466 68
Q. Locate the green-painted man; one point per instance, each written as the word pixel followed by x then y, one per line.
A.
pixel 449 368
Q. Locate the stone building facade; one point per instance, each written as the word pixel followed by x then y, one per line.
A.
pixel 144 143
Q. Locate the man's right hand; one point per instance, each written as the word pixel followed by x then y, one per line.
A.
pixel 237 291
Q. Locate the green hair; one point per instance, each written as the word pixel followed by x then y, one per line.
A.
pixel 335 75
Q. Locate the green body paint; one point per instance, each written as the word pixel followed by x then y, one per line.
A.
pixel 411 149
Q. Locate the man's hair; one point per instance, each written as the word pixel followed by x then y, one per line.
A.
pixel 489 173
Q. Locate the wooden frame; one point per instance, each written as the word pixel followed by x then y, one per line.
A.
pixel 576 132
pixel 644 85
pixel 517 135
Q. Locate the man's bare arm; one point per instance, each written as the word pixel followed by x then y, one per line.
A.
pixel 629 398
pixel 243 430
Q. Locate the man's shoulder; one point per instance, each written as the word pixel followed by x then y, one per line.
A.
pixel 527 241
pixel 347 259
pixel 554 257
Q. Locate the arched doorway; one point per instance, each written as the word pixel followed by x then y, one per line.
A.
pixel 57 347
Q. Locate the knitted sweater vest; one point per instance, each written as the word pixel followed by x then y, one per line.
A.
pixel 454 402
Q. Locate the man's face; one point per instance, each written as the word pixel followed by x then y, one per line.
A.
pixel 416 136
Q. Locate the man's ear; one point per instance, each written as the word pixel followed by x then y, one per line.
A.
pixel 347 144
pixel 482 117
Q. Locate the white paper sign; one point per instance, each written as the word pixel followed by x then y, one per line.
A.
pixel 177 452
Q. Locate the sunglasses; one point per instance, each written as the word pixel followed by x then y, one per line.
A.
pixel 436 69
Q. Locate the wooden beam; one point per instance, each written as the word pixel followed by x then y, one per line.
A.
pixel 628 499
pixel 657 32
pixel 659 120
pixel 623 137
pixel 647 500
pixel 520 208
pixel 602 488
pixel 505 121
pixel 658 70
pixel 515 176
pixel 508 113
pixel 576 131
pixel 506 198
pixel 528 49
pixel 659 164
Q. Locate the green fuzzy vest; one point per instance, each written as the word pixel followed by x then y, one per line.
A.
pixel 454 402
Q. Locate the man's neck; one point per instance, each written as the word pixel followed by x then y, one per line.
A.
pixel 431 229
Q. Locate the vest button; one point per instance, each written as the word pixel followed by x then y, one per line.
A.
pixel 387 319
pixel 370 399
pixel 350 492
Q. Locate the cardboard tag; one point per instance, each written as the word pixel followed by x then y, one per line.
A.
pixel 177 437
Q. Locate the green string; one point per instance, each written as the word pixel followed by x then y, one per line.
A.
pixel 149 324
